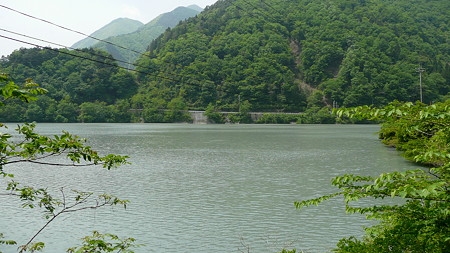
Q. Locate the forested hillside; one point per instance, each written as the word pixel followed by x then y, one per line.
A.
pixel 78 89
pixel 116 27
pixel 138 40
pixel 252 55
pixel 292 55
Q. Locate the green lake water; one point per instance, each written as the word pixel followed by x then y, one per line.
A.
pixel 208 188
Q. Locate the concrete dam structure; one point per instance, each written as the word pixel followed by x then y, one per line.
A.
pixel 198 117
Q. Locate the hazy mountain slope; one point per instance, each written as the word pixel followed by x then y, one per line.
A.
pixel 289 55
pixel 116 27
pixel 141 39
pixel 195 7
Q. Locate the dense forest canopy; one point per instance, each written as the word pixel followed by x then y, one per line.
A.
pixel 288 56
pixel 71 82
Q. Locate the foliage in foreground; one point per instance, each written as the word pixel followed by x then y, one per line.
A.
pixel 100 243
pixel 422 222
pixel 27 146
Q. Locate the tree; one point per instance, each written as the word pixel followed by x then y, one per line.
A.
pixel 97 243
pixel 66 111
pixel 177 111
pixel 27 146
pixel 355 52
pixel 122 85
pixel 243 116
pixel 97 112
pixel 42 110
pixel 70 81
pixel 213 115
pixel 421 223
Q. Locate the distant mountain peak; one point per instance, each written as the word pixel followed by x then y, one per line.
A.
pixel 116 27
pixel 171 19
pixel 139 39
pixel 195 7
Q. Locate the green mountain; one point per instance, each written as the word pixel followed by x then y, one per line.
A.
pixel 139 40
pixel 83 86
pixel 195 7
pixel 293 55
pixel 116 27
pixel 297 54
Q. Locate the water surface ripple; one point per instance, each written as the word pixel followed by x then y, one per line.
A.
pixel 209 188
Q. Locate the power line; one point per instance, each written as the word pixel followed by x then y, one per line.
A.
pixel 94 60
pixel 91 53
pixel 263 12
pixel 110 43
pixel 68 29
pixel 122 47
pixel 81 33
pixel 269 5
pixel 420 70
pixel 105 63
pixel 256 8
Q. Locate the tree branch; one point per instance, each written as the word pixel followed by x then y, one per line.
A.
pixel 69 209
pixel 24 247
pixel 54 164
pixel 9 194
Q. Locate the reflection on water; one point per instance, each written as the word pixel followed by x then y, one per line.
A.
pixel 210 188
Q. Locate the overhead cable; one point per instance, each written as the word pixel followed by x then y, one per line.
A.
pixel 261 11
pixel 93 60
pixel 67 29
pixel 270 6
pixel 78 32
pixel 91 53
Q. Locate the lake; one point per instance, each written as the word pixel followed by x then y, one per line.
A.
pixel 208 188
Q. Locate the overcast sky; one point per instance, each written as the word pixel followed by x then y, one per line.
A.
pixel 85 16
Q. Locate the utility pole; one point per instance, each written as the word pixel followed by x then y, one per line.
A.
pixel 335 104
pixel 239 103
pixel 420 70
